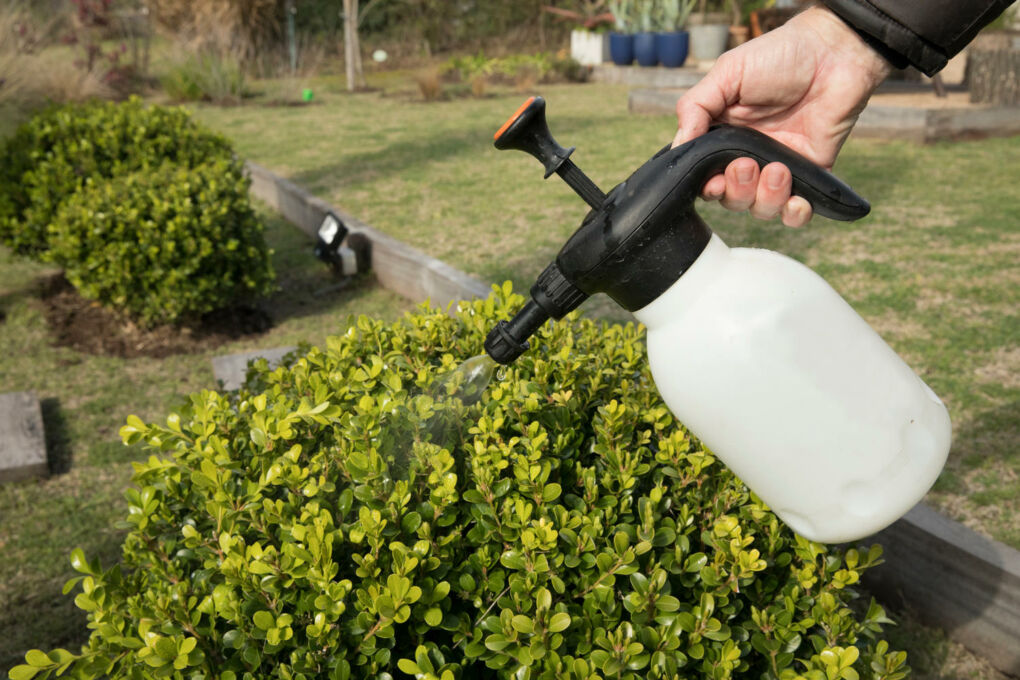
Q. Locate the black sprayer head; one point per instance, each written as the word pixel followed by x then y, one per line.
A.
pixel 639 240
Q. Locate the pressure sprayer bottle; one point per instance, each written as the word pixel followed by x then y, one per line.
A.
pixel 755 353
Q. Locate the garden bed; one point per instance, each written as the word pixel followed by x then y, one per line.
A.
pixel 87 327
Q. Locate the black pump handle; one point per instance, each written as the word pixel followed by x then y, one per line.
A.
pixel 528 131
pixel 701 158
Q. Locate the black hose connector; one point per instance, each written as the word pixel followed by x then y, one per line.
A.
pixel 552 297
pixel 509 339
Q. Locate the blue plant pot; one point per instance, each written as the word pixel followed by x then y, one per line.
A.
pixel 644 49
pixel 672 48
pixel 621 48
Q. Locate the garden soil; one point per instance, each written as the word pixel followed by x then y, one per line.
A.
pixel 87 327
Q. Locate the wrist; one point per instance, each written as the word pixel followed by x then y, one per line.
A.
pixel 845 43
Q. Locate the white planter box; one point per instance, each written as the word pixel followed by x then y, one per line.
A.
pixel 588 48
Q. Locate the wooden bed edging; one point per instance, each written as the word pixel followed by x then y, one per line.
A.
pixel 953 578
pixel 399 267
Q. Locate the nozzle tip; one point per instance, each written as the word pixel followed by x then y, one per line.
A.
pixel 509 339
pixel 502 346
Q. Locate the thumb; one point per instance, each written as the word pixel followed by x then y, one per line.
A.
pixel 697 108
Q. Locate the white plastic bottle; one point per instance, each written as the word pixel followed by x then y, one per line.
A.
pixel 779 377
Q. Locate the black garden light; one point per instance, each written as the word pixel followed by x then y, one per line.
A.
pixel 345 252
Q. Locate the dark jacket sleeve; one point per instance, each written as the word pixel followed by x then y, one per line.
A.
pixel 921 33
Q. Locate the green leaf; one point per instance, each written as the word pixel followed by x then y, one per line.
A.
pixel 434 616
pixel 497 642
pixel 512 559
pixel 408 666
pixel 263 620
pixel 166 649
pixel 551 492
pixel 667 603
pixel 79 563
pixel 38 658
pixel 559 622
pixel 22 672
pixel 523 624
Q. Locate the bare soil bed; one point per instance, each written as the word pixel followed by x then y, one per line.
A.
pixel 87 327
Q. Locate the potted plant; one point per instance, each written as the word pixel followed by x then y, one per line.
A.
pixel 672 41
pixel 589 43
pixel 739 30
pixel 644 39
pixel 709 32
pixel 621 41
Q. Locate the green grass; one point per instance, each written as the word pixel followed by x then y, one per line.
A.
pixel 85 401
pixel 933 268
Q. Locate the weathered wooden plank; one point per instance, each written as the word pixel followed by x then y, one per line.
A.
pixel 22 438
pixel 953 578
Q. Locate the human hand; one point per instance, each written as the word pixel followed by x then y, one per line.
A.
pixel 803 84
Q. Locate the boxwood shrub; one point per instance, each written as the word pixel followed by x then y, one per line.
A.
pixel 163 244
pixel 52 156
pixel 348 516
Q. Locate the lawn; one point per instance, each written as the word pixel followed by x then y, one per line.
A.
pixel 933 268
pixel 86 400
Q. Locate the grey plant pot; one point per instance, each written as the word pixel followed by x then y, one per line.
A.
pixel 708 41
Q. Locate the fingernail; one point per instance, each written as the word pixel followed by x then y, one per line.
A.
pixel 744 174
pixel 774 179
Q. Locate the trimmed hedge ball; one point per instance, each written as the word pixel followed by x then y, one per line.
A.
pixel 348 515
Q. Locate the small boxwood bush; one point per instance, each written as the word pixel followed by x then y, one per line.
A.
pixel 52 156
pixel 344 517
pixel 163 244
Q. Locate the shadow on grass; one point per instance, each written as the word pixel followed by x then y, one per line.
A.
pixel 421 150
pixel 986 443
pixel 37 614
pixel 58 438
pixel 306 286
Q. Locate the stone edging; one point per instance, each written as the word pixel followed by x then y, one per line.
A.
pixel 22 441
pixel 950 576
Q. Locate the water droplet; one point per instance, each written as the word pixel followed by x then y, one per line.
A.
pixel 474 376
pixel 501 373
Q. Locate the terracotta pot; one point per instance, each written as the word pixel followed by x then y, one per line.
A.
pixel 739 35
